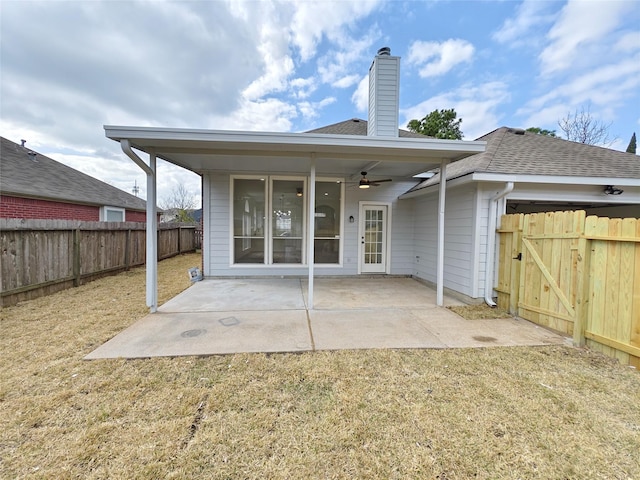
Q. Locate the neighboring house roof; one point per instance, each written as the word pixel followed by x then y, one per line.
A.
pixel 356 126
pixel 26 173
pixel 514 151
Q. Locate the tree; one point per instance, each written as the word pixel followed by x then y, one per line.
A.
pixel 438 124
pixel 181 202
pixel 632 144
pixel 581 127
pixel 541 131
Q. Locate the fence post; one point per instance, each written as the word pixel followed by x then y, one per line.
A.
pixel 583 280
pixel 76 257
pixel 127 253
pixel 179 239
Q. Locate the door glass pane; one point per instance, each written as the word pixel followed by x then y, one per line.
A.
pixel 287 220
pixel 327 222
pixel 248 220
pixel 374 240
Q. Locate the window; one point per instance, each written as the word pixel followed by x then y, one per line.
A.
pixel 248 220
pixel 279 237
pixel 327 222
pixel 112 214
pixel 287 221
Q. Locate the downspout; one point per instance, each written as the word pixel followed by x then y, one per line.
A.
pixel 491 243
pixel 152 223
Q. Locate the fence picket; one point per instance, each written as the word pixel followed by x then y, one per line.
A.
pixel 41 257
pixel 579 275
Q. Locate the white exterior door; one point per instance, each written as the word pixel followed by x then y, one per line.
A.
pixel 374 244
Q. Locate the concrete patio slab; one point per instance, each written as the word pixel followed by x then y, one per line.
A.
pixel 179 334
pixel 361 329
pixel 461 333
pixel 271 315
pixel 367 293
pixel 214 295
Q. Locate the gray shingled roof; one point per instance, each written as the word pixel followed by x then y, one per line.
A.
pixel 510 151
pixel 356 126
pixel 37 176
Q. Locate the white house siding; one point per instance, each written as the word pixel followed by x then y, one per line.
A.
pixel 402 223
pixel 384 77
pixel 217 223
pixel 462 248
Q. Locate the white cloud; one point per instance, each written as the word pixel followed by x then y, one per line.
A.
pixel 310 110
pixel 476 104
pixel 628 43
pixel 303 87
pixel 346 81
pixel 434 59
pixel 580 26
pixel 529 15
pixel 270 115
pixel 313 21
pixel 606 87
pixel 340 62
pixel 360 97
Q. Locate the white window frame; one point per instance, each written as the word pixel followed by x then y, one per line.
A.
pixel 104 213
pixel 232 179
pixel 268 239
pixel 341 181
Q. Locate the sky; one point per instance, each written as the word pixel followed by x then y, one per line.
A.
pixel 67 68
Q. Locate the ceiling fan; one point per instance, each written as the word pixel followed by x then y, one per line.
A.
pixel 366 183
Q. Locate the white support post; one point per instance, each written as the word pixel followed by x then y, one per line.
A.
pixel 440 263
pixel 152 237
pixel 311 228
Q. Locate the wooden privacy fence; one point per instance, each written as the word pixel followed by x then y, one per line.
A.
pixel 39 257
pixel 575 274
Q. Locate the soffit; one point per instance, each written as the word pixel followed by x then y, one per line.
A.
pixel 205 151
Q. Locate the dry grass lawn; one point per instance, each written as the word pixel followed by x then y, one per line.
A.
pixel 543 412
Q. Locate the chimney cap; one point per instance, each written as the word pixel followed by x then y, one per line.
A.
pixel 384 51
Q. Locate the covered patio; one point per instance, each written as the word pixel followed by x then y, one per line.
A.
pixel 225 316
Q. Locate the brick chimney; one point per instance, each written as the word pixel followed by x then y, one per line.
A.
pixel 384 94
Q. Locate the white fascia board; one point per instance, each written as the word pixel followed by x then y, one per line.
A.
pixel 519 179
pixel 454 182
pixel 175 139
pixel 553 179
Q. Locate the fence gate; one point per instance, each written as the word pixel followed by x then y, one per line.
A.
pixel 548 272
pixel 577 275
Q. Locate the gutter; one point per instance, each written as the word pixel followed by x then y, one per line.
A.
pixel 125 144
pixel 491 243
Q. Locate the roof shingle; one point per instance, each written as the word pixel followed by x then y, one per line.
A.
pixel 37 176
pixel 514 151
pixel 356 126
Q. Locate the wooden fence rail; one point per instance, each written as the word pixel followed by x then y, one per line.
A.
pixel 576 274
pixel 39 257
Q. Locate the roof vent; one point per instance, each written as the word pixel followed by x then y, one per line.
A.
pixel 23 142
pixel 516 131
pixel 32 155
pixel 384 51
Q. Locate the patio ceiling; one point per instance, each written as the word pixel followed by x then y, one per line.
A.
pixel 203 151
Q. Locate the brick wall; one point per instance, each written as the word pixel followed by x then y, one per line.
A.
pixel 132 216
pixel 17 207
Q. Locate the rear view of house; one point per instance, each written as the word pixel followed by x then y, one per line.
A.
pixel 343 199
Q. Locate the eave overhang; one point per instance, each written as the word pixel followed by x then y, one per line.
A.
pixel 524 179
pixel 203 151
